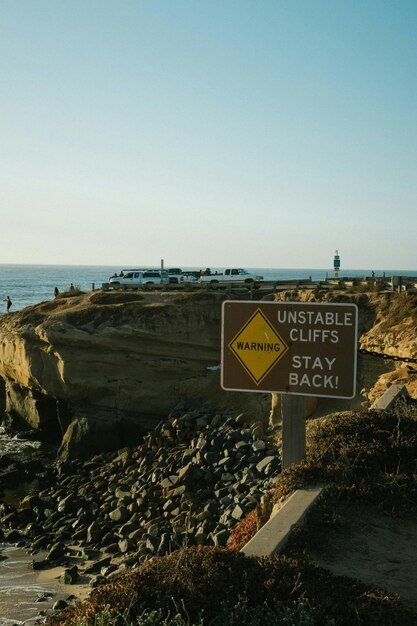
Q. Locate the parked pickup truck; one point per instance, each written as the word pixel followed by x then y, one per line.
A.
pixel 139 278
pixel 230 275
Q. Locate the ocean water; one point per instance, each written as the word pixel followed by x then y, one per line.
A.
pixel 15 446
pixel 22 596
pixel 30 284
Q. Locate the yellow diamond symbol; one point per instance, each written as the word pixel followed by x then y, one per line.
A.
pixel 258 346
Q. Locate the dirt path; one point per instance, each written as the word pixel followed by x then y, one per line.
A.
pixel 364 543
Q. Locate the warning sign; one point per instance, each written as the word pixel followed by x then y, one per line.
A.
pixel 290 347
pixel 258 346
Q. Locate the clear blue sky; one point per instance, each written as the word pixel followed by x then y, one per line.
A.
pixel 261 133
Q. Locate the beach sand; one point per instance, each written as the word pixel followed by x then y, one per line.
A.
pixel 24 593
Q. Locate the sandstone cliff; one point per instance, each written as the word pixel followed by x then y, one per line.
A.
pixel 109 366
pixel 119 358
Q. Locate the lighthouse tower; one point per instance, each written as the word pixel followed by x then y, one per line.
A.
pixel 336 264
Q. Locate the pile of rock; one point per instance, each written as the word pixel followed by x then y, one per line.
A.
pixel 194 477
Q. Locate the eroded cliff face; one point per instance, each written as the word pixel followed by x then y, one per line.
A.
pixel 109 366
pixel 118 356
pixel 394 332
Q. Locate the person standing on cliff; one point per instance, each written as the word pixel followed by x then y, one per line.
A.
pixel 8 303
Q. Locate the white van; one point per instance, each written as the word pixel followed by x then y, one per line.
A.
pixel 139 278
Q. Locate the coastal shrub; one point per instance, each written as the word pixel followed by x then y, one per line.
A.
pixel 200 296
pixel 368 286
pixel 115 297
pixel 71 293
pixel 243 531
pixel 361 455
pixel 208 586
pixel 300 614
pixel 400 306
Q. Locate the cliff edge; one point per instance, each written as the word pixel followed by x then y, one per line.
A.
pixel 110 365
pixel 120 358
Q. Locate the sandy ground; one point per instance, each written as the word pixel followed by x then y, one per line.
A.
pixel 369 545
pixel 22 596
pixel 24 593
pixel 81 590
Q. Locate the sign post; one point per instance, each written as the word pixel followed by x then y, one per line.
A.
pixel 293 348
pixel 293 444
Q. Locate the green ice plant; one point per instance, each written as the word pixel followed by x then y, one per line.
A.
pixel 300 614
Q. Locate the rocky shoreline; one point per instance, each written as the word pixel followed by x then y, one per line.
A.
pixel 107 503
pixel 189 483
